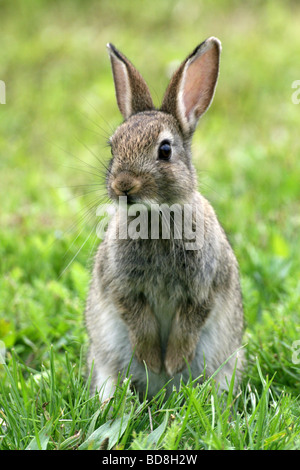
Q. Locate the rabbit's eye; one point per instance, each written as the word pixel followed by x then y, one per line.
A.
pixel 164 151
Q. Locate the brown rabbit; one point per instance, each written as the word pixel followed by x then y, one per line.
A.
pixel 163 303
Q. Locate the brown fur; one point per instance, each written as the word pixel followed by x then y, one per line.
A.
pixel 153 303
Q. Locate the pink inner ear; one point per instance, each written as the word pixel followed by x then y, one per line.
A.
pixel 199 83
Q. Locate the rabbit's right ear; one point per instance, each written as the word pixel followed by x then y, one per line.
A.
pixel 132 92
pixel 192 86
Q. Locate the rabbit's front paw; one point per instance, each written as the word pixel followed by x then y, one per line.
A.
pixel 145 342
pixel 177 357
pixel 150 353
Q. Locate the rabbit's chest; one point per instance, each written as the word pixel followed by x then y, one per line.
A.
pixel 156 271
pixel 161 276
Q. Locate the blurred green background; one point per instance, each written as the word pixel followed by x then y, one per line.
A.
pixel 60 109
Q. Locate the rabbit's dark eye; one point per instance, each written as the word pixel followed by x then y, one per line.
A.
pixel 164 151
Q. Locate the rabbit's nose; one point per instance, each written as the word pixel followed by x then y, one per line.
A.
pixel 126 184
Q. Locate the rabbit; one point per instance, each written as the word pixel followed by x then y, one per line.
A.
pixel 157 309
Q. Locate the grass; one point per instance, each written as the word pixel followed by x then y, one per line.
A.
pixel 60 108
pixel 53 410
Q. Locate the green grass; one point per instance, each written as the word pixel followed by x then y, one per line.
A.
pixel 53 410
pixel 60 108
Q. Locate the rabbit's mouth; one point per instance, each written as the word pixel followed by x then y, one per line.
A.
pixel 131 200
pixel 132 188
pixel 125 184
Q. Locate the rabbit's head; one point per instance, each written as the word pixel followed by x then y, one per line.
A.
pixel 151 157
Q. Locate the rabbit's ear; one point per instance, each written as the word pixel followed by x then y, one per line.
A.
pixel 192 86
pixel 132 91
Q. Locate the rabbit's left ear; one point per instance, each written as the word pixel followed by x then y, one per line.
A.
pixel 191 89
pixel 132 91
